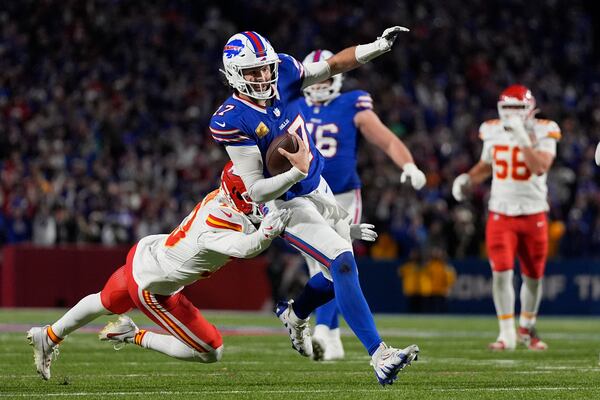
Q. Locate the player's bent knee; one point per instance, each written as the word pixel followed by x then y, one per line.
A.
pixel 344 264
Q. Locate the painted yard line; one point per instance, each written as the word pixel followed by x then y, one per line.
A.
pixel 276 331
pixel 254 391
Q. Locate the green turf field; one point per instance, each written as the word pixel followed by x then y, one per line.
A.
pixel 454 363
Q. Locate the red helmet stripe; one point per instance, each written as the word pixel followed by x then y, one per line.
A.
pixel 317 55
pixel 256 43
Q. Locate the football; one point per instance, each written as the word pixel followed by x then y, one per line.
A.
pixel 276 163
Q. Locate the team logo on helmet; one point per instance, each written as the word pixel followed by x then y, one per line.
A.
pixel 233 48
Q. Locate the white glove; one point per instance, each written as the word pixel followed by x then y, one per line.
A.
pixel 416 176
pixel 598 154
pixel 363 232
pixel 461 183
pixel 274 223
pixel 517 130
pixel 366 52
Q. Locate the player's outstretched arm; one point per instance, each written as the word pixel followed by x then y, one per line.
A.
pixel 351 57
pixel 377 133
pixel 243 245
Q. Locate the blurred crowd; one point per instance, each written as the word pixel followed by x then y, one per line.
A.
pixel 104 108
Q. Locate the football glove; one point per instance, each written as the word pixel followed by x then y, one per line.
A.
pixel 517 129
pixel 274 223
pixel 363 232
pixel 461 183
pixel 416 176
pixel 366 52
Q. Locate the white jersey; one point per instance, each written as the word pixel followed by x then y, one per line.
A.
pixel 515 190
pixel 205 240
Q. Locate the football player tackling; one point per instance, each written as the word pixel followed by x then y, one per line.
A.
pixel 335 120
pixel 159 267
pixel 518 150
pixel 263 106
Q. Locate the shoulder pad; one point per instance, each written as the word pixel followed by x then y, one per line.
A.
pixel 287 63
pixel 361 100
pixel 545 128
pixel 221 216
pixel 486 130
pixel 223 128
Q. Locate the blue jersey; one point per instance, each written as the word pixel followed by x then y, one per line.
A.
pixel 239 122
pixel 332 128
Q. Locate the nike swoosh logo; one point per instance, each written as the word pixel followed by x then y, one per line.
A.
pixel 221 124
pixel 227 214
pixel 112 335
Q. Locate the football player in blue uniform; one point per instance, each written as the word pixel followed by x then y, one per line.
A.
pixel 334 121
pixel 263 106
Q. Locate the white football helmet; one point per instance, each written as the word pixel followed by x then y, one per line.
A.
pixel 248 50
pixel 516 100
pixel 326 90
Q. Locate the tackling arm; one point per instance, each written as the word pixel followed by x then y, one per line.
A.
pixel 236 244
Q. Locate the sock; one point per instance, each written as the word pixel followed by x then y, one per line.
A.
pixel 327 315
pixel 173 347
pixel 317 291
pixel 88 309
pixel 352 302
pixel 504 300
pixel 531 296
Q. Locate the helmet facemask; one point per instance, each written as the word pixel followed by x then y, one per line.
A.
pixel 324 91
pixel 327 90
pixel 517 100
pixel 245 51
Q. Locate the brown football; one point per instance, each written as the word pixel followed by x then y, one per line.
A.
pixel 276 163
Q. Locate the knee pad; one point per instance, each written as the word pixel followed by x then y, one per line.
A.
pixel 344 265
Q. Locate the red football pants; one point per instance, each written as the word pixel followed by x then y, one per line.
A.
pixel 525 236
pixel 174 313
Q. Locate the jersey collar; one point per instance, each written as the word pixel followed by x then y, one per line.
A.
pixel 250 104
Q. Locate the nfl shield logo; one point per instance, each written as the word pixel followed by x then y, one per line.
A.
pixel 277 112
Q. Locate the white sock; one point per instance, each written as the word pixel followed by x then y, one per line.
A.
pixel 334 334
pixel 531 296
pixel 173 347
pixel 88 309
pixel 504 300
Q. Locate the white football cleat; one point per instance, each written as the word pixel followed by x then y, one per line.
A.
pixel 388 361
pixel 504 343
pixel 298 329
pixel 327 344
pixel 120 331
pixel 43 353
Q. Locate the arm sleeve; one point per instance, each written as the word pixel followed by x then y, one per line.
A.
pixel 315 73
pixel 249 166
pixel 547 145
pixel 235 244
pixel 486 153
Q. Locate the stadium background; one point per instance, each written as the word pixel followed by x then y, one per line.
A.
pixel 104 107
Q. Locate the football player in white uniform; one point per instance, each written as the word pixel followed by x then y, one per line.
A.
pixel 159 267
pixel 518 150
